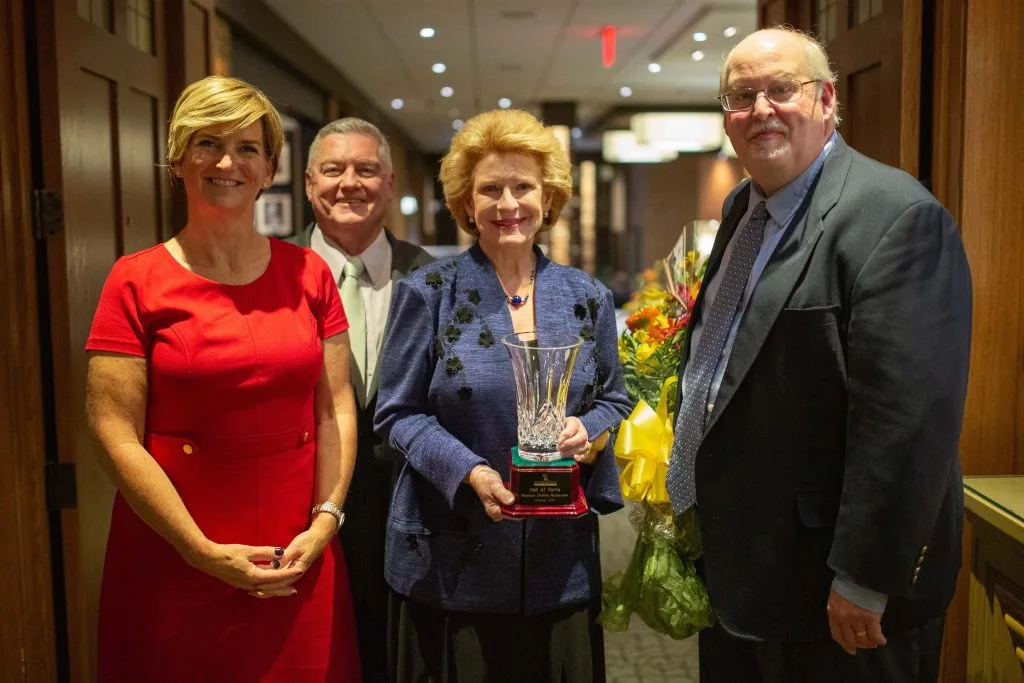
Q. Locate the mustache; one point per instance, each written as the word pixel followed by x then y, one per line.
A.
pixel 770 126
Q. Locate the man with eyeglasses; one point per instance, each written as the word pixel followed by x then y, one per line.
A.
pixel 823 391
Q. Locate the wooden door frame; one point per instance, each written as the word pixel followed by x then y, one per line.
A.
pixel 64 44
pixel 27 630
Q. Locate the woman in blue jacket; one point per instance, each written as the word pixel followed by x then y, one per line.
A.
pixel 480 598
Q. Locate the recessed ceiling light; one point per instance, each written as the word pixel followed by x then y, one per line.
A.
pixel 729 31
pixel 427 32
pixel 700 36
pixel 576 133
pixel 397 103
pixel 438 68
pixel 447 91
pixel 457 124
pixel 504 103
pixel 697 55
pixel 654 67
pixel 626 91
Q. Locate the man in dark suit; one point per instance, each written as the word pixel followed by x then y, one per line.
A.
pixel 825 378
pixel 350 185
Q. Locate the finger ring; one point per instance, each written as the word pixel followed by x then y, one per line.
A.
pixel 860 634
pixel 260 594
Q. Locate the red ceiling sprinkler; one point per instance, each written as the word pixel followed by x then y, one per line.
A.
pixel 608 46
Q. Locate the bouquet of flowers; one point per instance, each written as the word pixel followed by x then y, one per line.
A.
pixel 660 583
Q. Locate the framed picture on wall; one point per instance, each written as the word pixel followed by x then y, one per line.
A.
pixel 274 215
pixel 284 165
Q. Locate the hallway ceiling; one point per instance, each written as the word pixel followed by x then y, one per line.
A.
pixel 529 51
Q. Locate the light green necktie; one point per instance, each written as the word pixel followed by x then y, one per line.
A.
pixel 352 299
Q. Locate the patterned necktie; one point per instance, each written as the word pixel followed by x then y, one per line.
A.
pixel 695 406
pixel 352 299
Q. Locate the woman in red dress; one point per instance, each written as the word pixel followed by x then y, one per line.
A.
pixel 218 388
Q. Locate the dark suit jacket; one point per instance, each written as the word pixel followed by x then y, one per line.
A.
pixel 832 447
pixel 366 506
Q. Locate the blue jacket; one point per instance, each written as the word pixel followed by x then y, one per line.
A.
pixel 447 402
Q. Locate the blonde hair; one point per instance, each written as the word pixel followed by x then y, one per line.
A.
pixel 504 131
pixel 222 100
pixel 814 56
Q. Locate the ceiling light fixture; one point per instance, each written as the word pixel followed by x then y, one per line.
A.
pixel 697 55
pixel 576 133
pixel 504 103
pixel 439 68
pixel 447 91
pixel 700 36
pixel 427 32
pixel 457 124
pixel 679 131
pixel 607 46
pixel 626 91
pixel 729 31
pixel 621 147
pixel 397 103
pixel 654 67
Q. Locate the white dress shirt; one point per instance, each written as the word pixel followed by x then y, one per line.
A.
pixel 375 286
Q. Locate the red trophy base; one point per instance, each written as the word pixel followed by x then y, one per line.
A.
pixel 545 489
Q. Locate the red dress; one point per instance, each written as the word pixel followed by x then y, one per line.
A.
pixel 232 370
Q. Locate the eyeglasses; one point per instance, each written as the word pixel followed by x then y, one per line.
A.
pixel 781 91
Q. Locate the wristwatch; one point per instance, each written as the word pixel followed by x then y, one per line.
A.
pixel 330 508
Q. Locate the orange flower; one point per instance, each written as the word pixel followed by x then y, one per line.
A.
pixel 642 319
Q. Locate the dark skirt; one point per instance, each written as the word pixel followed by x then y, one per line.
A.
pixel 431 645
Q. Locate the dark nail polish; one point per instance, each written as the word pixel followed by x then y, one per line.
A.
pixel 276 564
pixel 279 551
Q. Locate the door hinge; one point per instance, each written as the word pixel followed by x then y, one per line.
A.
pixel 47 213
pixel 60 486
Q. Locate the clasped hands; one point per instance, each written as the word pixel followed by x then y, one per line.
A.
pixel 574 442
pixel 266 571
pixel 853 627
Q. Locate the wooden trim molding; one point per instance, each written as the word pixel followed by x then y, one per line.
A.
pixel 27 646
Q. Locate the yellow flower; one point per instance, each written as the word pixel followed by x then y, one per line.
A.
pixel 644 351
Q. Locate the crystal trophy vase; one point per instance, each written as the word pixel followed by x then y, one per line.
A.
pixel 543 482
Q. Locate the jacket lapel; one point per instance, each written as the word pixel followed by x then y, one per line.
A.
pixel 400 267
pixel 733 215
pixel 781 274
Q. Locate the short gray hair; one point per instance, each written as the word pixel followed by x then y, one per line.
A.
pixel 350 125
pixel 815 56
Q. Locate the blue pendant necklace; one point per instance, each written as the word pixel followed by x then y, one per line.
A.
pixel 515 300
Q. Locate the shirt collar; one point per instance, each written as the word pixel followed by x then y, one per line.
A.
pixel 376 257
pixel 783 204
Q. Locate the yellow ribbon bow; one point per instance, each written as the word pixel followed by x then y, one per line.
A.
pixel 644 443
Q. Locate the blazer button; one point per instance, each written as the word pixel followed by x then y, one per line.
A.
pixel 305 437
pixel 188 449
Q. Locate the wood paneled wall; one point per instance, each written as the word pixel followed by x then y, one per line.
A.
pixel 992 221
pixel 27 626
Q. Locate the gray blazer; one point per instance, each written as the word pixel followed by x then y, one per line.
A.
pixel 405 258
pixel 832 447
pixel 369 494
